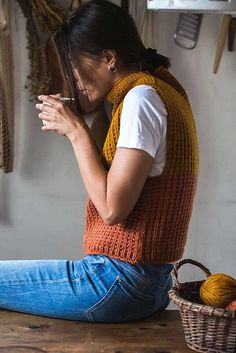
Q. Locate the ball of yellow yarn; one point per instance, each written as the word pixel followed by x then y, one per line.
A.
pixel 218 290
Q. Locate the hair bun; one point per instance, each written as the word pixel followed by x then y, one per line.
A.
pixel 150 54
pixel 151 60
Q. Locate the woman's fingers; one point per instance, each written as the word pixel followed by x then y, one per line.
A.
pixel 46 108
pixel 52 100
pixel 56 115
pixel 46 117
pixel 57 95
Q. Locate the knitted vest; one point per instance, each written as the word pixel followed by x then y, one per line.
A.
pixel 156 229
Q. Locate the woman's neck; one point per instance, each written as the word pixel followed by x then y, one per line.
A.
pixel 123 73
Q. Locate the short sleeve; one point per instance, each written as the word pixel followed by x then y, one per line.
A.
pixel 143 120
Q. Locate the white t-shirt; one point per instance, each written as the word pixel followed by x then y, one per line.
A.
pixel 143 125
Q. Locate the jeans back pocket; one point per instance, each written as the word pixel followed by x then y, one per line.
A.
pixel 123 302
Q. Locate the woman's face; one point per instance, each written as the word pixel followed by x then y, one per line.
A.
pixel 94 78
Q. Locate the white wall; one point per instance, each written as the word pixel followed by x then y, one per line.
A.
pixel 42 201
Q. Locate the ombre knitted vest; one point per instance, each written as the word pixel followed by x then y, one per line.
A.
pixel 156 229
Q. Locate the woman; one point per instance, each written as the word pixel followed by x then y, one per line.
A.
pixel 141 186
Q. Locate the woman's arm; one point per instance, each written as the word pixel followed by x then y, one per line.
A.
pixel 115 193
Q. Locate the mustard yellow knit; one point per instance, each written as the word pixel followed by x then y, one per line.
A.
pixel 156 229
pixel 218 290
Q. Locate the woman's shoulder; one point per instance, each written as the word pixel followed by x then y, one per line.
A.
pixel 144 96
pixel 140 91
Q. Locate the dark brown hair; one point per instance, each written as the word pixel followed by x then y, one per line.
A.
pixel 98 25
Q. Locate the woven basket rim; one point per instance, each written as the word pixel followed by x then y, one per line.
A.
pixel 199 308
pixel 187 304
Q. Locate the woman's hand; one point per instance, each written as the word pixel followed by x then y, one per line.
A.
pixel 58 117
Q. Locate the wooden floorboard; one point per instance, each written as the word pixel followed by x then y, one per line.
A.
pixel 25 333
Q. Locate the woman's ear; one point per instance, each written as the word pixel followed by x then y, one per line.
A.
pixel 110 57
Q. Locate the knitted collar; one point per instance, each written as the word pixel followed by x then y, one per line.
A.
pixel 124 84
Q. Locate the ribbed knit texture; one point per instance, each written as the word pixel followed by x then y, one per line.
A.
pixel 156 229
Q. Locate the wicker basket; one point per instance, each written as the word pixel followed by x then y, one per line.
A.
pixel 206 328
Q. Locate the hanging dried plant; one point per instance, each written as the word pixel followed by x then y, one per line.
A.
pixel 6 144
pixel 49 14
pixel 6 90
pixel 42 18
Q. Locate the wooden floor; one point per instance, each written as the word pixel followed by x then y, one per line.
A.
pixel 160 333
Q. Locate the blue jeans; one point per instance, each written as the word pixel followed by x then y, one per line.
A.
pixel 96 288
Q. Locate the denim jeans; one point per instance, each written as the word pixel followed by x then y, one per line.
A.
pixel 96 288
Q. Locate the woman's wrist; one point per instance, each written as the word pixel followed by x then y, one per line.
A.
pixel 80 127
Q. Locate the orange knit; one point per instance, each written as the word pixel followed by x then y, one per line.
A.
pixel 156 229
